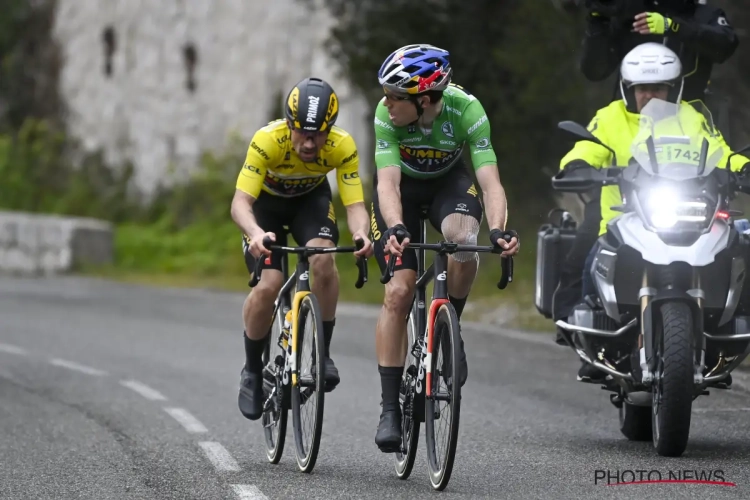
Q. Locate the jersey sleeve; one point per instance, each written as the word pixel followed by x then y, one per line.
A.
pixel 387 151
pixel 347 173
pixel 477 127
pixel 258 159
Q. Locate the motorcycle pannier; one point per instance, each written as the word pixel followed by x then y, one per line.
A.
pixel 553 244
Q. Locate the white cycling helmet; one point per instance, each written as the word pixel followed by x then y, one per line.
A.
pixel 650 63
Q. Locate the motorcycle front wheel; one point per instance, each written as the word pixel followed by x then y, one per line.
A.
pixel 673 380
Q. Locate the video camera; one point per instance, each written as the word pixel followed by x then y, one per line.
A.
pixel 611 9
pixel 616 9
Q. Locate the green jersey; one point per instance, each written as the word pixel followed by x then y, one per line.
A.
pixel 424 155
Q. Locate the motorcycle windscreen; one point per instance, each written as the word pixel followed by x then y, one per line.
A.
pixel 677 142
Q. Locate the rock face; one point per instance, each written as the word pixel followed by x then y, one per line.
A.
pixel 158 82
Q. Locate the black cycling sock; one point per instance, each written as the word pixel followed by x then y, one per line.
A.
pixel 328 333
pixel 254 354
pixel 458 305
pixel 390 382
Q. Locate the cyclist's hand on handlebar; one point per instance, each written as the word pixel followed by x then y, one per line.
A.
pixel 366 250
pixel 391 238
pixel 256 244
pixel 507 240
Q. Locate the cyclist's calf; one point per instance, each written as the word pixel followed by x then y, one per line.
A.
pixel 258 306
pixel 399 293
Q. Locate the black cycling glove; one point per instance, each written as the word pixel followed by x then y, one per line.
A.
pixel 496 234
pixel 399 230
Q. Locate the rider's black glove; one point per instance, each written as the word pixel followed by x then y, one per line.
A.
pixel 496 234
pixel 399 230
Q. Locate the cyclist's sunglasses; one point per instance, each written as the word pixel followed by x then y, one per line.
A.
pixel 313 134
pixel 395 97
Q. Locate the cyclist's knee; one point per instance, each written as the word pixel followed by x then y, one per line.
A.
pixel 461 229
pixel 268 287
pixel 323 268
pixel 399 293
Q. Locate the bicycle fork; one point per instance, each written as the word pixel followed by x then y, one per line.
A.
pixel 439 297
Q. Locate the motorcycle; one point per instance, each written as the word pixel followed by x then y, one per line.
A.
pixel 671 317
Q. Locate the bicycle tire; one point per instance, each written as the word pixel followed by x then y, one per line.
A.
pixel 404 462
pixel 276 437
pixel 440 468
pixel 307 455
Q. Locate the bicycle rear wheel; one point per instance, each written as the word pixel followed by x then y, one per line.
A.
pixel 443 406
pixel 275 412
pixel 410 400
pixel 308 395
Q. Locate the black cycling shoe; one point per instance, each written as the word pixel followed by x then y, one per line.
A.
pixel 388 436
pixel 590 374
pixel 250 399
pixel 331 375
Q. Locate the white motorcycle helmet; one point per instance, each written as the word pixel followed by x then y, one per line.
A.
pixel 650 63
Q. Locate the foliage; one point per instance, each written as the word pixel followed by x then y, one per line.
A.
pixel 518 59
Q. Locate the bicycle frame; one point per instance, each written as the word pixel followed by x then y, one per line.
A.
pixel 301 278
pixel 438 270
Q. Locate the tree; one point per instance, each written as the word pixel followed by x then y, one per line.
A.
pixel 518 59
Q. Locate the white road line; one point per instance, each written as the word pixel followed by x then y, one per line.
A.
pixel 12 349
pixel 707 410
pixel 143 390
pixel 219 456
pixel 248 492
pixel 76 367
pixel 189 422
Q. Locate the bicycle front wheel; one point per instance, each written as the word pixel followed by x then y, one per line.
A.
pixel 275 413
pixel 443 406
pixel 308 395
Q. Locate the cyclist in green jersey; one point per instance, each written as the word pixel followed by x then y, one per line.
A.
pixel 422 126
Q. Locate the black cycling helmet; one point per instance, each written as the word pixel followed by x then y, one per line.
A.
pixel 312 105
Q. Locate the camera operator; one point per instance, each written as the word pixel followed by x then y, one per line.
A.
pixel 699 34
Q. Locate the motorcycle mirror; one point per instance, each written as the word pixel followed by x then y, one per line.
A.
pixel 580 131
pixel 577 130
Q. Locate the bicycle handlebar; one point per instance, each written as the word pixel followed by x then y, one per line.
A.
pixel 446 247
pixel 267 243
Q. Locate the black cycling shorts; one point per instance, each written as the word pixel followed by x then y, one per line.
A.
pixel 452 193
pixel 308 216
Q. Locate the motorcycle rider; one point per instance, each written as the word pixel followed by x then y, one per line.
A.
pixel 702 37
pixel 649 71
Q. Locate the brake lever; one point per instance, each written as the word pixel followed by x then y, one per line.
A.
pixel 386 277
pixel 259 264
pixel 361 265
pixel 506 265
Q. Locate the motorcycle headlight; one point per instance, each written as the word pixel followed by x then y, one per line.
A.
pixel 665 209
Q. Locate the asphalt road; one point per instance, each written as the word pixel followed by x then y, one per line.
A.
pixel 118 391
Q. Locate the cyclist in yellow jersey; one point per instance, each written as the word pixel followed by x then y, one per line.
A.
pixel 283 183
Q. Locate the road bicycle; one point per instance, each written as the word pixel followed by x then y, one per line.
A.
pixel 298 321
pixel 421 393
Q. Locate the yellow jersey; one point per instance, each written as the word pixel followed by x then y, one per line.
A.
pixel 272 165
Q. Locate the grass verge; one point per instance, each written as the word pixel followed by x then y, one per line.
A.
pixel 209 255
